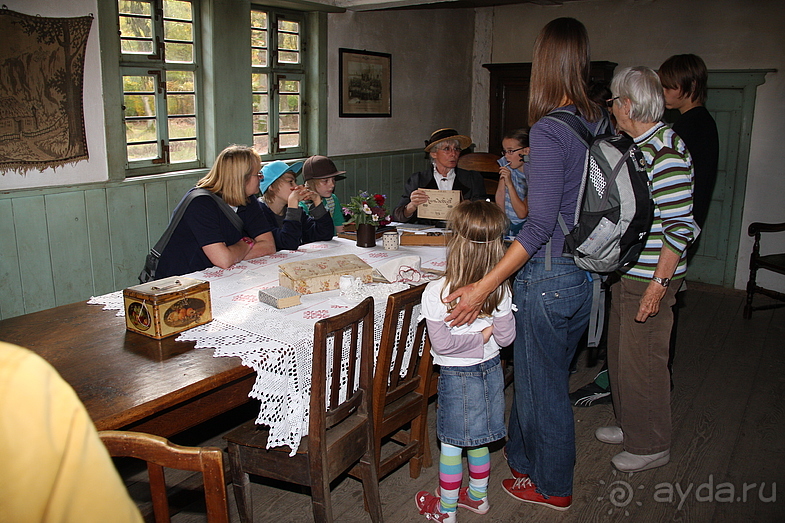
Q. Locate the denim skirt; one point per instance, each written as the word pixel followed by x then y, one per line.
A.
pixel 471 404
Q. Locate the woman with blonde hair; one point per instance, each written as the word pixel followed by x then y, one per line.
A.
pixel 205 236
pixel 552 295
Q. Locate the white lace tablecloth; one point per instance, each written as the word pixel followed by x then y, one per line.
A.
pixel 277 344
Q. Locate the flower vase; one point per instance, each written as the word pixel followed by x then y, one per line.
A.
pixel 366 235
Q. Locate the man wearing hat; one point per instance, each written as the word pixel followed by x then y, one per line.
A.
pixel 444 146
pixel 281 198
pixel 320 175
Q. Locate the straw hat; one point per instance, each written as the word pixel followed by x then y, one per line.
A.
pixel 273 170
pixel 317 167
pixel 446 134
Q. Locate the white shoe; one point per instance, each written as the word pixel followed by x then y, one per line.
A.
pixel 612 435
pixel 628 462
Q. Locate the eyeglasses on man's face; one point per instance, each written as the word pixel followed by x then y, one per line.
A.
pixel 609 101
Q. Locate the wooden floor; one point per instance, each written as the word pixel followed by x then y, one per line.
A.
pixel 727 459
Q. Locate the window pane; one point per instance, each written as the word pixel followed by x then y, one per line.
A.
pixel 289 122
pixel 259 123
pixel 261 144
pixel 289 42
pixel 132 26
pixel 259 57
pixel 289 86
pixel 260 103
pixel 289 140
pixel 288 57
pixel 182 151
pixel 259 83
pixel 177 9
pixel 137 7
pixel 142 152
pixel 140 131
pixel 179 53
pixel 258 38
pixel 182 127
pixel 181 104
pixel 180 81
pixel 288 26
pixel 177 30
pixel 289 103
pixel 139 84
pixel 259 19
pixel 139 105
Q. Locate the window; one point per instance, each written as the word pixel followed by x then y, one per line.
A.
pixel 159 68
pixel 277 82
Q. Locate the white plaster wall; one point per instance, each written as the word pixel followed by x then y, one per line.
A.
pixel 727 34
pixel 95 168
pixel 431 76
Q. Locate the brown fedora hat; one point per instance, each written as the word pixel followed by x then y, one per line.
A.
pixel 317 167
pixel 446 134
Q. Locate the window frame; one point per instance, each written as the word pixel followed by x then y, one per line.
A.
pixel 275 71
pixel 155 65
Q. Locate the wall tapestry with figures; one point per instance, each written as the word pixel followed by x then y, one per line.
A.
pixel 41 80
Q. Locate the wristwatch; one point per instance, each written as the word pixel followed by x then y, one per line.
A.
pixel 662 281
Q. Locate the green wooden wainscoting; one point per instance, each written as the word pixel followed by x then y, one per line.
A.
pixel 64 244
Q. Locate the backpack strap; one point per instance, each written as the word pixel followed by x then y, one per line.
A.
pixel 151 263
pixel 179 211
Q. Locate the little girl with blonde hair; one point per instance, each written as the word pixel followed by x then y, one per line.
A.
pixel 470 411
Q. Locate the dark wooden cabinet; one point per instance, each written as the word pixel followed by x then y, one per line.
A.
pixel 509 97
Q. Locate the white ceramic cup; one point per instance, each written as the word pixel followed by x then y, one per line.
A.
pixel 390 240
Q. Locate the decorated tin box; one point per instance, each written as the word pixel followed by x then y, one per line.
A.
pixel 322 274
pixel 167 306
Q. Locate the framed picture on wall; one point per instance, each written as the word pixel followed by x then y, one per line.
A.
pixel 365 84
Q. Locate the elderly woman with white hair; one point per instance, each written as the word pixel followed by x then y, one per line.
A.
pixel 641 319
pixel 444 146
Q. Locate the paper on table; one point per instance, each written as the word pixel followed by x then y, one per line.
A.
pixel 439 204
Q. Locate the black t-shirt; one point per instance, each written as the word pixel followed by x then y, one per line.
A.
pixel 204 223
pixel 699 132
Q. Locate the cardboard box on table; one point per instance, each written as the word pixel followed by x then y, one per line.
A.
pixel 167 306
pixel 322 274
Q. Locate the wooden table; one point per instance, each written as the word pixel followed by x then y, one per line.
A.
pixel 126 380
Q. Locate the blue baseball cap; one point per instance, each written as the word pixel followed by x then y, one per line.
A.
pixel 273 170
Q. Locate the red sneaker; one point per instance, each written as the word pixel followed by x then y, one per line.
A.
pixel 478 506
pixel 523 489
pixel 429 506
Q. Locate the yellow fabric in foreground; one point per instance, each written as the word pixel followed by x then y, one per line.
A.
pixel 53 466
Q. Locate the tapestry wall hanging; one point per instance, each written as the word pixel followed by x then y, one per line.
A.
pixel 41 80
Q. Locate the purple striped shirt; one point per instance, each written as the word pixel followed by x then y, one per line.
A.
pixel 554 175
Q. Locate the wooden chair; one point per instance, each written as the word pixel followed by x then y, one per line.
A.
pixel 340 433
pixel 487 165
pixel 159 452
pixel 400 394
pixel 769 262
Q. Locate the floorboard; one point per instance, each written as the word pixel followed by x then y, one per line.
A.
pixel 728 453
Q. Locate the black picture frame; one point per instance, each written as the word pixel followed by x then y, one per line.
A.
pixel 365 83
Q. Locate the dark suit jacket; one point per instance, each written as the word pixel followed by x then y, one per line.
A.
pixel 470 183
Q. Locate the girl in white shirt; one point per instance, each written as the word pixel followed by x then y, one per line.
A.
pixel 470 412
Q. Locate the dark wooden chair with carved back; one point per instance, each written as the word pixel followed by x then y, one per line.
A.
pixel 487 165
pixel 340 433
pixel 769 262
pixel 400 388
pixel 160 453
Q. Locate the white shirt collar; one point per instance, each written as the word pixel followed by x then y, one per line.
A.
pixel 444 181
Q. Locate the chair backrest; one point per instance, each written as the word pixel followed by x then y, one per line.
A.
pixel 481 162
pixel 486 164
pixel 395 378
pixel 349 333
pixel 159 452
